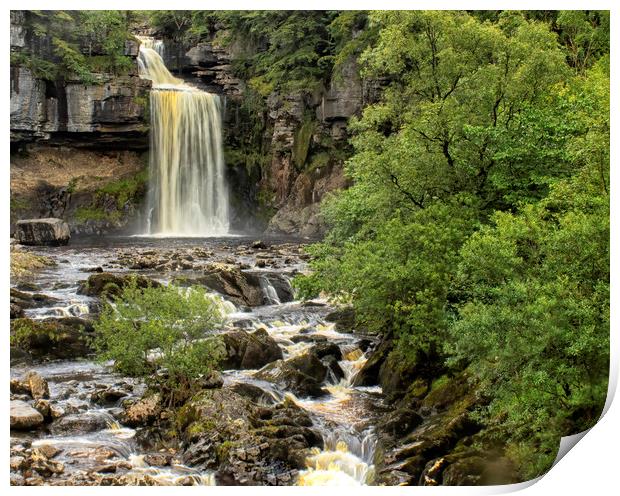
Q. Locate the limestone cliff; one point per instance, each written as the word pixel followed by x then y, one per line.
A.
pixel 109 112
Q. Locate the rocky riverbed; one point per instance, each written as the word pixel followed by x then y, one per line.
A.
pixel 282 411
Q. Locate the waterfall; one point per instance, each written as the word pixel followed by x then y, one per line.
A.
pixel 188 195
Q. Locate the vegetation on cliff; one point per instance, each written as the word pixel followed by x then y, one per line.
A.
pixel 477 229
pixel 76 43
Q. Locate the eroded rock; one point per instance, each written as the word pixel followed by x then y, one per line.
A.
pixel 23 416
pixel 49 231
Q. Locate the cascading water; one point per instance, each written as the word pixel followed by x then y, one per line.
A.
pixel 188 195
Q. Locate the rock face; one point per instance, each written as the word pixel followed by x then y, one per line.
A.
pixel 110 111
pixel 51 232
pixel 23 416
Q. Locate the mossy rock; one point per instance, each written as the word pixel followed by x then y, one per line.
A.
pixel 64 337
pixel 108 284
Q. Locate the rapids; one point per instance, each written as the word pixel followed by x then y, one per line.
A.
pixel 344 417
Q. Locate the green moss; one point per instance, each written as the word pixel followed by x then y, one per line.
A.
pixel 23 263
pixel 84 214
pixel 223 450
pixel 19 204
pixel 126 188
pixel 318 161
pixel 301 143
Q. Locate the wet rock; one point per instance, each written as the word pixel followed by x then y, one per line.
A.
pixel 334 369
pixel 78 423
pixel 25 300
pixel 324 349
pixel 108 284
pixel 253 393
pixel 368 375
pixel 400 422
pixel 249 350
pixel 47 451
pixel 43 407
pixel 15 311
pixel 50 231
pixel 45 467
pixel 158 459
pixel 258 245
pixel 468 468
pixel 246 444
pixel 17 463
pixel 143 412
pixel 23 416
pixel 37 385
pixel 308 338
pixel 108 395
pixel 281 285
pixel 242 288
pixel 301 375
pixel 19 386
pixel 63 337
pixel 344 318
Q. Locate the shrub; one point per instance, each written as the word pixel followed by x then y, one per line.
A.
pixel 163 328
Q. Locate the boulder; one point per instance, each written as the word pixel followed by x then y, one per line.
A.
pixel 50 231
pixel 301 375
pixel 25 300
pixel 334 369
pixel 79 424
pixel 108 284
pixel 249 350
pixel 253 393
pixel 241 287
pixel 368 375
pixel 399 422
pixel 23 416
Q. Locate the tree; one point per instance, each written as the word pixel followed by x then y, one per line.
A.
pixel 167 328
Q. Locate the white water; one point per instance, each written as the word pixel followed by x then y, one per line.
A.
pixel 188 194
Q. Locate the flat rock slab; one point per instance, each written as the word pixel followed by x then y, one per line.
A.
pixel 23 416
pixel 49 231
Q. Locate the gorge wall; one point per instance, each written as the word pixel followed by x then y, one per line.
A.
pixel 283 154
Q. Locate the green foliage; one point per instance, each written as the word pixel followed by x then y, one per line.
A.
pixel 39 67
pixel 144 330
pixel 94 213
pixel 285 50
pixel 585 35
pixel 121 191
pixel 476 231
pixel 82 42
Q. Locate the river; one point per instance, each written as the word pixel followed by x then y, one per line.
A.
pixel 93 436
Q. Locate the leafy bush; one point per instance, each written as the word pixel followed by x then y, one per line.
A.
pixel 144 330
